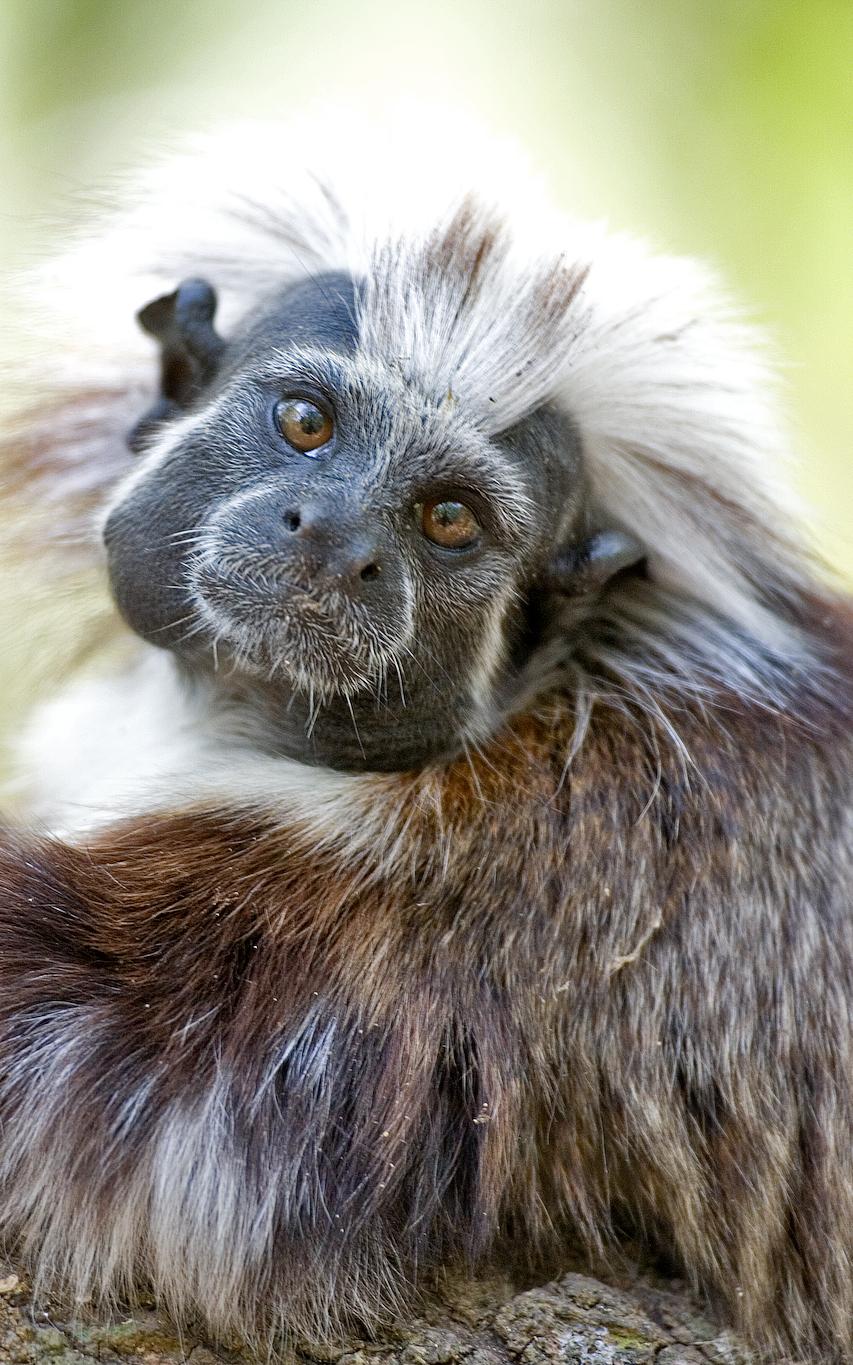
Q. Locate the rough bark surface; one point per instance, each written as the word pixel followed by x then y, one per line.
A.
pixel 573 1320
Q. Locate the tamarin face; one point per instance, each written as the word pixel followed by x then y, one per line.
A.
pixel 337 545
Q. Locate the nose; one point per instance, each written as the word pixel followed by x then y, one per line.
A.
pixel 335 546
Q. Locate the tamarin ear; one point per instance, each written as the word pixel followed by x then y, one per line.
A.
pixel 585 568
pixel 190 350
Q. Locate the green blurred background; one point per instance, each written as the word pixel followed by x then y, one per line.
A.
pixel 722 128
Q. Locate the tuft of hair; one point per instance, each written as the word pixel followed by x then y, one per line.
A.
pixel 480 293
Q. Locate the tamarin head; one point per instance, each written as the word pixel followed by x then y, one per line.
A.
pixel 435 450
pixel 342 536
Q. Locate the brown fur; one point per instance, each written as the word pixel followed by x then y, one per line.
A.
pixel 615 995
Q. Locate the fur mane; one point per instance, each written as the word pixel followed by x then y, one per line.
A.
pixel 487 297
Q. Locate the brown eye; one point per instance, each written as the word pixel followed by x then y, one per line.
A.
pixel 449 524
pixel 302 424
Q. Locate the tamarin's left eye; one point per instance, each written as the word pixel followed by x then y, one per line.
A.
pixel 449 524
pixel 302 424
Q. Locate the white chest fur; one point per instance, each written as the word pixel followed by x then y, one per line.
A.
pixel 141 740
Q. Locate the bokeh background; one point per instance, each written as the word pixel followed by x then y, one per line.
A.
pixel 722 128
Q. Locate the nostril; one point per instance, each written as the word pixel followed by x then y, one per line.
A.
pixel 369 572
pixel 292 521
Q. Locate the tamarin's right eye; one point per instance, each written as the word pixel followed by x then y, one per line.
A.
pixel 303 424
pixel 449 524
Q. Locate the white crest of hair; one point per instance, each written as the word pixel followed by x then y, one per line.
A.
pixel 478 292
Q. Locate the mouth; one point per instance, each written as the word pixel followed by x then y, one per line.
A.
pixel 321 643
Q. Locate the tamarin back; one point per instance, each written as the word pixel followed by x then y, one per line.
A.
pixel 276 1079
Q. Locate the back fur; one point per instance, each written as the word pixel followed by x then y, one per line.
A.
pixel 281 1082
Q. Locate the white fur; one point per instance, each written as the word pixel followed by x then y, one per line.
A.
pixel 114 746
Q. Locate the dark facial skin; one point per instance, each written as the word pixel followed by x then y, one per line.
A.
pixel 351 561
